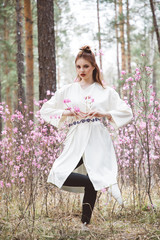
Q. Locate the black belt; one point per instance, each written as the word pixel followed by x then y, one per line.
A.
pixel 83 121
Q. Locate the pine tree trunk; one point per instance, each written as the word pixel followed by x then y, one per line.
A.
pixel 0 115
pixel 128 50
pixel 20 56
pixel 155 24
pixel 46 48
pixel 6 70
pixel 57 55
pixel 117 38
pixel 128 40
pixel 99 35
pixel 29 57
pixel 122 41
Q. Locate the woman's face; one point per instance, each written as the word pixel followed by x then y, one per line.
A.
pixel 84 69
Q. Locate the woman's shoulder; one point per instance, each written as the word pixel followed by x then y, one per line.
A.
pixel 65 87
pixel 105 87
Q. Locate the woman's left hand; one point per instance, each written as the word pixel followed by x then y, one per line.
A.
pixel 92 114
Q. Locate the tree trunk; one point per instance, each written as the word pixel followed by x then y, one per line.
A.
pixel 128 51
pixel 46 48
pixel 155 24
pixel 6 71
pixel 29 57
pixel 20 56
pixel 153 62
pixel 117 38
pixel 122 41
pixel 128 40
pixel 57 53
pixel 99 35
pixel 0 115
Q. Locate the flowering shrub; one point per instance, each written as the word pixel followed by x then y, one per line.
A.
pixel 28 149
pixel 138 144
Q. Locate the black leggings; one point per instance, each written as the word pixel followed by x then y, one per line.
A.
pixel 80 180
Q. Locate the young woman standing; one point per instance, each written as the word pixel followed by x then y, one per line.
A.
pixel 83 104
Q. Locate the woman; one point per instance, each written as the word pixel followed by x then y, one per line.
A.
pixel 83 104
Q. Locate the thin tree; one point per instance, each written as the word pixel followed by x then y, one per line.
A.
pixel 99 35
pixel 0 116
pixel 6 72
pixel 155 24
pixel 128 48
pixel 122 40
pixel 117 37
pixel 128 39
pixel 46 48
pixel 29 57
pixel 20 56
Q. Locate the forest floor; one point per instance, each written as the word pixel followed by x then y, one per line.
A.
pixel 61 220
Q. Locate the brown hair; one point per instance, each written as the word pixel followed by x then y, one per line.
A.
pixel 86 53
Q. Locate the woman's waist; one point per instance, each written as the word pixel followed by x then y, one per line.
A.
pixel 84 120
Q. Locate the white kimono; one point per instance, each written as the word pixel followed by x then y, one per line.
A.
pixel 89 139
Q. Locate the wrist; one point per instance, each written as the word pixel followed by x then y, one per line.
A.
pixel 66 113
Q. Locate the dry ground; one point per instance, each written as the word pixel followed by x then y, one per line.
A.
pixel 61 220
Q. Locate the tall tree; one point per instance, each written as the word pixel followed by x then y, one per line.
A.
pixel 128 39
pixel 20 56
pixel 6 71
pixel 117 37
pixel 99 34
pixel 46 47
pixel 0 116
pixel 29 57
pixel 155 23
pixel 122 39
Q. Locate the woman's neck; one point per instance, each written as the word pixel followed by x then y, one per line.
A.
pixel 86 82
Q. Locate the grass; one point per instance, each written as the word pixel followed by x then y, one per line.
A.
pixel 61 220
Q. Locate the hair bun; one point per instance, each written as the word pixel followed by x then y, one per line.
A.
pixel 86 49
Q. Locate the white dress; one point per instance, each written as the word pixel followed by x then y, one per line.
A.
pixel 89 139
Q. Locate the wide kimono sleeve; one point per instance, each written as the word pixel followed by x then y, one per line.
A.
pixel 52 110
pixel 120 111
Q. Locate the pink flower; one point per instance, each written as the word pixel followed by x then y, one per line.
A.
pixel 1 184
pixel 148 69
pixel 22 180
pixel 21 174
pixel 76 109
pixel 101 52
pixel 123 72
pixel 69 108
pixel 66 100
pixel 87 97
pixel 15 130
pixel 8 185
pixel 48 92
